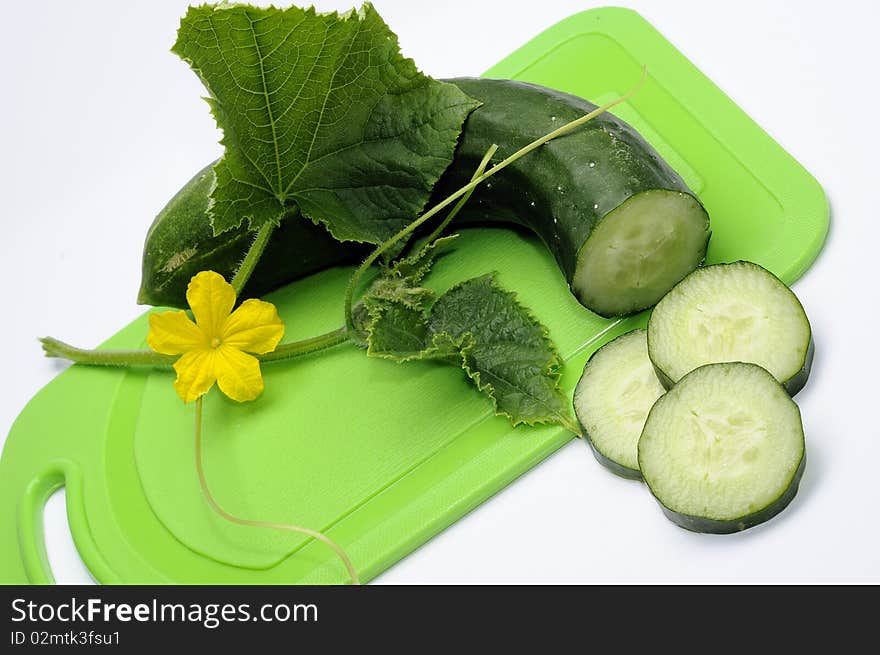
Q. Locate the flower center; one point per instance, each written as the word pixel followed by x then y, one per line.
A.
pixel 215 342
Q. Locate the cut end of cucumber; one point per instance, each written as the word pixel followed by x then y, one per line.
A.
pixel 737 312
pixel 613 398
pixel 724 449
pixel 639 251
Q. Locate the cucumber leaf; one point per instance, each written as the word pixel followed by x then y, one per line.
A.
pixel 399 281
pixel 476 325
pixel 322 113
pixel 504 350
pixel 413 268
pixel 397 332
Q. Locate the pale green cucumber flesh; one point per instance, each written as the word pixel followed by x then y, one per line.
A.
pixel 737 312
pixel 639 251
pixel 612 400
pixel 723 450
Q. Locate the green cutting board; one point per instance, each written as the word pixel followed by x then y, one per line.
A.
pixel 381 457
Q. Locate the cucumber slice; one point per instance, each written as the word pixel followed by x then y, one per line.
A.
pixel 613 398
pixel 639 251
pixel 723 450
pixel 737 312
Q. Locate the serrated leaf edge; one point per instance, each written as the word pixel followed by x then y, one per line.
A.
pixel 359 14
pixel 550 369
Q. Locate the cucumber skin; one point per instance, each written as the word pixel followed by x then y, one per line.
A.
pixel 792 385
pixel 513 114
pixel 714 526
pixel 298 247
pixel 610 464
pixel 797 381
pixel 527 192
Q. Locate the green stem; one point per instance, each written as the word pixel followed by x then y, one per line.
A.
pixel 206 492
pixel 463 200
pixel 306 346
pixel 55 348
pixel 291 350
pixel 249 263
pixel 564 129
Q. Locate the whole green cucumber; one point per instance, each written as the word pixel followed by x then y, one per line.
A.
pixel 622 225
pixel 181 242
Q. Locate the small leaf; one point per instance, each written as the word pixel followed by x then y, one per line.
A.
pixel 397 285
pixel 399 290
pixel 322 113
pixel 505 351
pixel 361 319
pixel 416 266
pixel 397 332
pixel 482 328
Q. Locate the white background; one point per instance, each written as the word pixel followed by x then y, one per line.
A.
pixel 100 125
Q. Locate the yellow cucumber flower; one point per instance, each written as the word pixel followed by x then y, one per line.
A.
pixel 215 347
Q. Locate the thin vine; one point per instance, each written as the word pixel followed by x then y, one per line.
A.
pixel 209 498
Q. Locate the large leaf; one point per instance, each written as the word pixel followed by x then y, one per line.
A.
pixel 320 112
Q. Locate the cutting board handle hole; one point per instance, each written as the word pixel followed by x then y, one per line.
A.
pixel 64 559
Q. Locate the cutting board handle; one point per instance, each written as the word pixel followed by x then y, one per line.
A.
pixel 32 545
pixel 58 441
pixel 31 541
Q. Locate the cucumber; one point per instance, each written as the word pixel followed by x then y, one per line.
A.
pixel 612 400
pixel 623 226
pixel 737 312
pixel 723 450
pixel 181 242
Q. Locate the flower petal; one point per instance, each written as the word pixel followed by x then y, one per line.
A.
pixel 238 374
pixel 254 327
pixel 173 333
pixel 210 298
pixel 196 373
